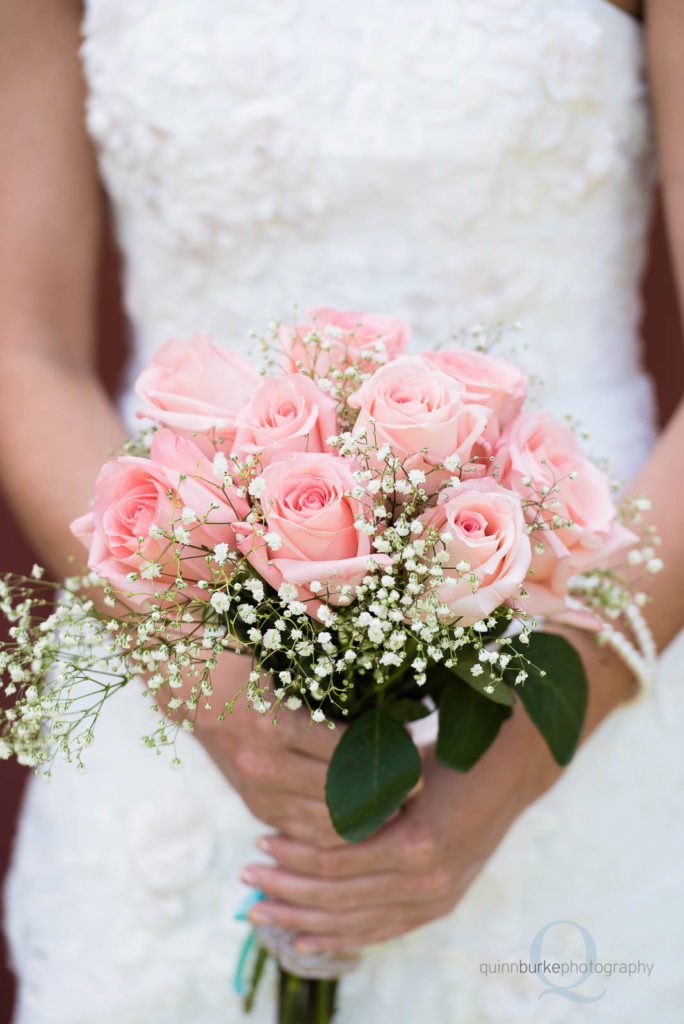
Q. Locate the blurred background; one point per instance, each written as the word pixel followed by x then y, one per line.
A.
pixel 664 355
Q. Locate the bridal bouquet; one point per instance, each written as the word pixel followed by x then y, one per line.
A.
pixel 376 531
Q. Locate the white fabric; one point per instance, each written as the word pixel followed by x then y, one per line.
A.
pixel 450 161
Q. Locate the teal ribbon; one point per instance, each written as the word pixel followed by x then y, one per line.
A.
pixel 241 915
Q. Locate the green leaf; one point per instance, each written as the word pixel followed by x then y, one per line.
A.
pixel 557 701
pixel 468 724
pixel 500 694
pixel 374 766
pixel 406 710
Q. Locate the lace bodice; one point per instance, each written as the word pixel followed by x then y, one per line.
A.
pixel 450 162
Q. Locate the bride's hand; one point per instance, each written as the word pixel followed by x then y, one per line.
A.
pixel 419 865
pixel 414 870
pixel 278 770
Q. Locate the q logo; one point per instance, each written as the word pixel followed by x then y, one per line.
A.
pixel 567 991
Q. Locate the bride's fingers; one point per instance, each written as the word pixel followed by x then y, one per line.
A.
pixel 313 738
pixel 299 774
pixel 303 818
pixel 332 894
pixel 335 942
pixel 281 771
pixel 295 919
pixel 307 859
pixel 397 843
pixel 346 928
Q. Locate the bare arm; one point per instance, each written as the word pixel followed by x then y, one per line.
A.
pixel 56 423
pixel 662 476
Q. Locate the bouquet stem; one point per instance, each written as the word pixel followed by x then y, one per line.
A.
pixel 308 983
pixel 305 1000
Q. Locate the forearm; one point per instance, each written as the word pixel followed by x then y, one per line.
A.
pixel 660 480
pixel 57 426
pixel 661 477
pixel 611 682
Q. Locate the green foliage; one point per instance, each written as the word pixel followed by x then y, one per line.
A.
pixel 555 691
pixel 468 724
pixel 373 768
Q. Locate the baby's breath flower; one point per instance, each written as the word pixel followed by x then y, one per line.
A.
pixel 247 613
pixel 181 535
pixel 256 588
pixel 220 553
pixel 219 467
pixel 272 639
pixel 288 592
pixel 257 486
pixel 152 571
pixel 260 704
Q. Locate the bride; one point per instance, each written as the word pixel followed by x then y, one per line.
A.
pixel 449 162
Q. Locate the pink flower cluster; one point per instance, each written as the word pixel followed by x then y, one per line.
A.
pixel 141 505
pixel 514 498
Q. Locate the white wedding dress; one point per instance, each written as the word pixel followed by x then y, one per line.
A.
pixel 449 161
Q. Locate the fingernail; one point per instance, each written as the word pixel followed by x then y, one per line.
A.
pixel 264 844
pixel 258 915
pixel 249 876
pixel 302 946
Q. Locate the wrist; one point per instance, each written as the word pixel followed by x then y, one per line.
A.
pixel 610 684
pixel 610 681
pixel 538 768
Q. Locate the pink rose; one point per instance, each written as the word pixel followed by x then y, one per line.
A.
pixel 285 414
pixel 196 388
pixel 353 337
pixel 414 407
pixel 309 510
pixel 132 503
pixel 487 529
pixel 488 380
pixel 534 453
